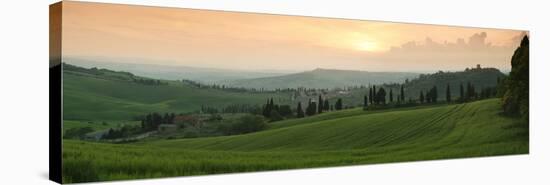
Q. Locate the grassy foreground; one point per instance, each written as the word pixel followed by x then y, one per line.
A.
pixel 453 131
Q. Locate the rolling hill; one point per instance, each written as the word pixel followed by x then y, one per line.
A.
pixel 344 138
pixel 479 78
pixel 168 72
pixel 101 94
pixel 322 78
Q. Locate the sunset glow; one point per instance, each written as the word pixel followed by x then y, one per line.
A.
pixel 367 46
pixel 218 39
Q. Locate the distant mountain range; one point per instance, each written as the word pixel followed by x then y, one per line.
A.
pixel 167 72
pixel 318 78
pixel 322 78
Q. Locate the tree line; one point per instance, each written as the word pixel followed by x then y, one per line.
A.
pixel 149 122
pixel 275 112
pixel 379 99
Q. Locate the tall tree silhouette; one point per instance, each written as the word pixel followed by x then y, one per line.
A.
pixel 515 100
pixel 375 94
pixel 370 95
pixel 391 96
pixel 402 94
pixel 461 92
pixel 338 105
pixel 320 106
pixel 421 98
pixel 365 102
pixel 299 111
pixel 448 94
pixel 381 96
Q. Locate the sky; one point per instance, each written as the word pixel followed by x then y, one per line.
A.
pixel 249 41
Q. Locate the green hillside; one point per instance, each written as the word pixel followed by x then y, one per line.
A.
pixel 322 78
pixel 479 78
pixel 343 138
pixel 100 94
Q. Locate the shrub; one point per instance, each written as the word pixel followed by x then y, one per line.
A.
pixel 77 133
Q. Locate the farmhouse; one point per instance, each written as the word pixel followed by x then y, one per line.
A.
pixel 188 120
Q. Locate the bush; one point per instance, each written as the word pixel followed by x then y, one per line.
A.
pixel 275 116
pixel 243 125
pixel 285 110
pixel 77 133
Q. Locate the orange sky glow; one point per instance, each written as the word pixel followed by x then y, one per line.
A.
pixel 230 40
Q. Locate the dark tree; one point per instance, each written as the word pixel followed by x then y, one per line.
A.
pixel 402 94
pixel 275 116
pixel 470 92
pixel 365 102
pixel 391 96
pixel 434 94
pixel 398 99
pixel 461 92
pixel 375 94
pixel 370 96
pixel 381 96
pixel 311 108
pixel 448 93
pixel 338 105
pixel 320 108
pixel 326 105
pixel 266 109
pixel 299 111
pixel 285 111
pixel 421 97
pixel 515 100
pixel 165 119
pixel 431 95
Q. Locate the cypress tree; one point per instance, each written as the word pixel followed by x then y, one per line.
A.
pixel 402 94
pixel 338 105
pixel 370 95
pixel 421 97
pixel 374 93
pixel 398 99
pixel 320 106
pixel 311 108
pixel 267 109
pixel 326 105
pixel 434 94
pixel 381 96
pixel 448 93
pixel 391 96
pixel 365 102
pixel 469 93
pixel 461 92
pixel 299 111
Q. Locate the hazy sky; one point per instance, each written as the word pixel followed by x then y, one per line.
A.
pixel 218 39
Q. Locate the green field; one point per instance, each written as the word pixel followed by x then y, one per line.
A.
pixel 346 137
pixel 104 97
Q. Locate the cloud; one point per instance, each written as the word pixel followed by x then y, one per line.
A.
pixel 517 39
pixel 476 43
pixel 457 55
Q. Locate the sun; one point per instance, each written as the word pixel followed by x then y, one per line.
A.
pixel 367 46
